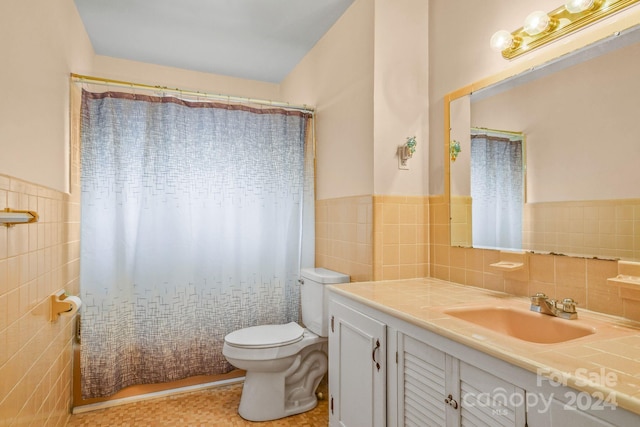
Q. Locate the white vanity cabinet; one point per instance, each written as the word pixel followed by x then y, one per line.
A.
pixel 357 368
pixel 386 371
pixel 430 384
pixel 567 412
pixel 421 376
pixel 437 389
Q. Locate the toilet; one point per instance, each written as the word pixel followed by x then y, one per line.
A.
pixel 285 363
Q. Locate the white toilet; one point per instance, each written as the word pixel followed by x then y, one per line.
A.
pixel 285 363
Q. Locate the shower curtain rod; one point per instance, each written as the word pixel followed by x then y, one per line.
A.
pixel 110 82
pixel 497 132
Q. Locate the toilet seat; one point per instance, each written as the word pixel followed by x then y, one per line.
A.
pixel 265 336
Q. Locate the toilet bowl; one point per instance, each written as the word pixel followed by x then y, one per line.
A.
pixel 284 363
pixel 282 371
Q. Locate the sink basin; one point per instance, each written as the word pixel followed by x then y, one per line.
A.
pixel 522 324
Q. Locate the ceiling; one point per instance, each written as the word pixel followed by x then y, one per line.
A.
pixel 252 39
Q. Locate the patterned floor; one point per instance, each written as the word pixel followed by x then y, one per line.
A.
pixel 211 407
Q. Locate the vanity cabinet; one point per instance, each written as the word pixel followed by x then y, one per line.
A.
pixel 431 385
pixel 357 368
pixel 564 412
pixel 421 374
pixel 437 389
pixel 386 371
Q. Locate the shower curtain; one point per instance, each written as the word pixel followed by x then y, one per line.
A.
pixel 497 191
pixel 192 227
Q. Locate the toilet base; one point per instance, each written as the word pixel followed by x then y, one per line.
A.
pixel 265 402
pixel 272 395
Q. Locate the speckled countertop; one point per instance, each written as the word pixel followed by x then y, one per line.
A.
pixel 614 349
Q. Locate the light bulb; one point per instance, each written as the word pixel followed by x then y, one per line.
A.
pixel 577 6
pixel 536 23
pixel 501 40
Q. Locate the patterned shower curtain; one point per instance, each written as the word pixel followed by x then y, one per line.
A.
pixel 497 191
pixel 192 222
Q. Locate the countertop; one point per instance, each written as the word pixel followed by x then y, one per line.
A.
pixel 606 362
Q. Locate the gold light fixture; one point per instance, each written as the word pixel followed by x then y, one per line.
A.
pixel 538 22
pixel 540 28
pixel 577 6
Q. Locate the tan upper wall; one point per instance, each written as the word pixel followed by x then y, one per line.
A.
pixel 368 78
pixel 158 75
pixel 460 54
pixel 401 83
pixel 336 76
pixel 41 41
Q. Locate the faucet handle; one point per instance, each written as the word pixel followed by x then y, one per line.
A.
pixel 539 296
pixel 569 305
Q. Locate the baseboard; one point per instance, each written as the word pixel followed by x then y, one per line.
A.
pixel 153 395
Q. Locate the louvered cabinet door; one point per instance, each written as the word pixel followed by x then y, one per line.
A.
pixel 357 368
pixel 486 400
pixel 421 384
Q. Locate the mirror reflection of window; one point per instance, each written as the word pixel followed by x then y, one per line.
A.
pixel 497 188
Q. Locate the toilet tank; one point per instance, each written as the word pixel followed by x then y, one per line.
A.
pixel 314 297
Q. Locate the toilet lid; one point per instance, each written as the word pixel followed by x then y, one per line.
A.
pixel 265 336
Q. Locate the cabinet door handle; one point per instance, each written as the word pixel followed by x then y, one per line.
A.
pixel 373 354
pixel 451 402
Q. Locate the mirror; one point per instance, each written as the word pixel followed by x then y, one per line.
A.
pixel 580 116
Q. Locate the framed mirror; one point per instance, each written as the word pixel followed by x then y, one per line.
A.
pixel 580 118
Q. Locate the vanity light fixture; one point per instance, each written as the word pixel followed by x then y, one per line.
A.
pixel 538 22
pixel 577 6
pixel 540 28
pixel 9 217
pixel 503 40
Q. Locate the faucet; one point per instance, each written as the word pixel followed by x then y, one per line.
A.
pixel 566 309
